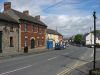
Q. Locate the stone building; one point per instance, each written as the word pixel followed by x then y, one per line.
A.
pixel 8 34
pixel 31 30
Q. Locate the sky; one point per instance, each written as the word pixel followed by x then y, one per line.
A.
pixel 69 17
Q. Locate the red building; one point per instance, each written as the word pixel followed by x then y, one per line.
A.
pixel 32 31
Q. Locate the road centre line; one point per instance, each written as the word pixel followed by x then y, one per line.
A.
pixel 52 58
pixel 15 70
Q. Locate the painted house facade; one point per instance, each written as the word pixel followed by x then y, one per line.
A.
pixel 89 39
pixel 8 34
pixel 54 37
pixel 31 30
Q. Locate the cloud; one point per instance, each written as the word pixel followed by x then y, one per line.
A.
pixel 69 19
pixel 69 25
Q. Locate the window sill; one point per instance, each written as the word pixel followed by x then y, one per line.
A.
pixel 11 46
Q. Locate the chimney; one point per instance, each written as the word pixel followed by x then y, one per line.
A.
pixel 7 6
pixel 37 17
pixel 26 12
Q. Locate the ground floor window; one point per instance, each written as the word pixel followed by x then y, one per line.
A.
pixel 11 42
pixel 37 43
pixel 26 42
pixel 42 42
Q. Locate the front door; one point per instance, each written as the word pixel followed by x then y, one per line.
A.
pixel 0 41
pixel 32 43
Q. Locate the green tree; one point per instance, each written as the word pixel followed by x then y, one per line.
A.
pixel 78 39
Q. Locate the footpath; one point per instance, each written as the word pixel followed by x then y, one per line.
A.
pixel 84 70
pixel 21 53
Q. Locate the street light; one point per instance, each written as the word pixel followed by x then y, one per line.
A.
pixel 94 15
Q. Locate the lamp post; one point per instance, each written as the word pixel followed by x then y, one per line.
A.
pixel 94 15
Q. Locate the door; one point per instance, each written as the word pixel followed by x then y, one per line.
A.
pixel 0 41
pixel 32 43
pixel 49 44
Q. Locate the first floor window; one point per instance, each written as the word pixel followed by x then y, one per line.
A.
pixel 42 42
pixel 11 41
pixel 11 28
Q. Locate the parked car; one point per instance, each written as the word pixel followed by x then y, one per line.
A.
pixel 57 46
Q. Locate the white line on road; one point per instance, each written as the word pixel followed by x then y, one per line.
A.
pixel 15 70
pixel 52 58
pixel 92 53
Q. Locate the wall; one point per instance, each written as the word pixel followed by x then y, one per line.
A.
pixel 6 34
pixel 36 32
pixel 90 39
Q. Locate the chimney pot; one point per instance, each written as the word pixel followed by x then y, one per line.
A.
pixel 7 6
pixel 26 12
pixel 37 17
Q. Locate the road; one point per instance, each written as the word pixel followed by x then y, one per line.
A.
pixel 48 63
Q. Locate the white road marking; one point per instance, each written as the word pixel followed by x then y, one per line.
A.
pixel 15 70
pixel 52 58
pixel 92 54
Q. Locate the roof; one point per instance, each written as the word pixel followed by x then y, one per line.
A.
pixel 5 17
pixel 27 18
pixel 97 35
pixel 50 31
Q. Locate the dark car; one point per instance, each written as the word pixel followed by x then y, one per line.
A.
pixel 57 46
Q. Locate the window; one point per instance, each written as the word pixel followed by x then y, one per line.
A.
pixel 37 43
pixel 11 41
pixel 26 42
pixel 26 29
pixel 11 28
pixel 98 38
pixel 40 30
pixel 43 31
pixel 35 29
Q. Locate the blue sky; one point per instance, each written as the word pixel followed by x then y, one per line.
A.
pixel 70 17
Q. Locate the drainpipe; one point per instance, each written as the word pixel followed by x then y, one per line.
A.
pixel 18 33
pixel 18 38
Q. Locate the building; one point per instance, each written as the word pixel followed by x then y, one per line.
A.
pixel 31 30
pixel 54 37
pixel 89 39
pixel 8 34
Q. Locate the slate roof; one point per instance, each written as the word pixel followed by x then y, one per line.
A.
pixel 97 35
pixel 27 18
pixel 5 17
pixel 50 31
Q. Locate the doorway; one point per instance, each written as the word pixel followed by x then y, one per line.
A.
pixel 32 43
pixel 0 41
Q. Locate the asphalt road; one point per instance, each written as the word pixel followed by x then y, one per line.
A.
pixel 48 63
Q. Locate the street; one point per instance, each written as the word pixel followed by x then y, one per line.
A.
pixel 48 63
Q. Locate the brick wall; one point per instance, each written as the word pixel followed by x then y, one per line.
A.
pixel 35 32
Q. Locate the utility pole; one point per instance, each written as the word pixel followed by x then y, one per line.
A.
pixel 91 35
pixel 94 16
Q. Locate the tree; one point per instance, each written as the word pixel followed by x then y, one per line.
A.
pixel 78 39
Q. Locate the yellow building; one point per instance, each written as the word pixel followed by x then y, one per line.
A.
pixel 53 36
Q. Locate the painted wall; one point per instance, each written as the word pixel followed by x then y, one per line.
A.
pixel 90 39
